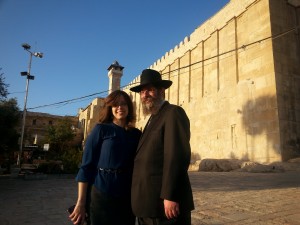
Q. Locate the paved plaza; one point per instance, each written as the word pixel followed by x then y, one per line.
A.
pixel 246 198
pixel 220 198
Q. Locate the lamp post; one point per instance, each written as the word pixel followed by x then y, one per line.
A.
pixel 28 77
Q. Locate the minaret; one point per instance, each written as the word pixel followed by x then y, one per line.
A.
pixel 115 72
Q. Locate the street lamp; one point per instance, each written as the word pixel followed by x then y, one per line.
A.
pixel 29 77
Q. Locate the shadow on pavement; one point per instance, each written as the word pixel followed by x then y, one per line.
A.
pixel 238 181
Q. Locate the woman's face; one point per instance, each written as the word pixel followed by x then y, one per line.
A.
pixel 120 109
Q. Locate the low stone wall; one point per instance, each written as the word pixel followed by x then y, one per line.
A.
pixel 227 165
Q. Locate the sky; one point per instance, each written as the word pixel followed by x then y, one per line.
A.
pixel 80 39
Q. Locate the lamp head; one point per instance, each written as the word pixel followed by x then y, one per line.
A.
pixel 30 77
pixel 24 73
pixel 38 54
pixel 26 46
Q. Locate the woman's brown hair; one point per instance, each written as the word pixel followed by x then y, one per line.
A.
pixel 113 99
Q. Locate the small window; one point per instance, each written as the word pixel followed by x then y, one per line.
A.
pixel 34 122
pixel 50 122
pixel 82 123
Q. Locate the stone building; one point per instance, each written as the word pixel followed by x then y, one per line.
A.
pixel 89 116
pixel 238 78
pixel 36 131
pixel 36 127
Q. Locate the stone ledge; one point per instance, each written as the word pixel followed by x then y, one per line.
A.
pixel 227 165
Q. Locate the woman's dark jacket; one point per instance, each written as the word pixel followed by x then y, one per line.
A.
pixel 108 159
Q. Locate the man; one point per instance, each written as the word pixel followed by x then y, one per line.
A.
pixel 161 190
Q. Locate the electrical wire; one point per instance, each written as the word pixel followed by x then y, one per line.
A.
pixel 243 47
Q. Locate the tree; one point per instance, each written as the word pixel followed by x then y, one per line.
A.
pixel 60 136
pixel 3 86
pixel 63 146
pixel 9 119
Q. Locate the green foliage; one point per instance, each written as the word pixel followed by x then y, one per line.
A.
pixel 9 115
pixel 60 135
pixel 51 167
pixel 68 162
pixel 71 159
pixel 9 119
pixel 3 86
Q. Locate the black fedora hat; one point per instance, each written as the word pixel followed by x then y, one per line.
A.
pixel 153 77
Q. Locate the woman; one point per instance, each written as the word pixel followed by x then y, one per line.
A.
pixel 107 165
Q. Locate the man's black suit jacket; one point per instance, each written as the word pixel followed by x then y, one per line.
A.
pixel 161 164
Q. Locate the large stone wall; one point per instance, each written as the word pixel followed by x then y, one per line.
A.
pixel 286 49
pixel 225 75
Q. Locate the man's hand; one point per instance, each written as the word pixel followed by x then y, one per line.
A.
pixel 171 209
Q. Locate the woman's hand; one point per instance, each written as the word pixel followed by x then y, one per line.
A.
pixel 78 215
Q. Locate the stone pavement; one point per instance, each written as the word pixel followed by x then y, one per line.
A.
pixel 220 198
pixel 246 198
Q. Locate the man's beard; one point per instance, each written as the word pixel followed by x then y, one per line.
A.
pixel 152 105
